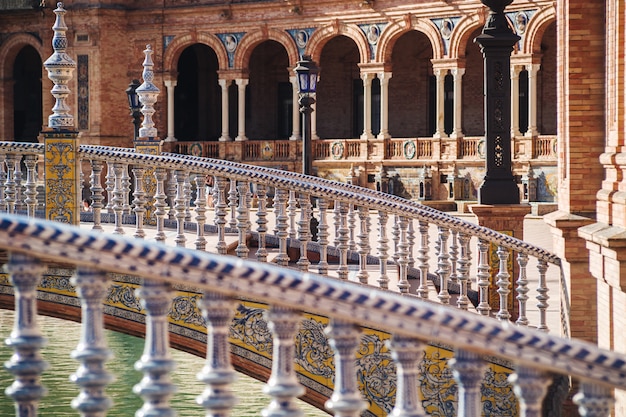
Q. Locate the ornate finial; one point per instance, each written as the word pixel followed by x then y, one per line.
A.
pixel 60 67
pixel 148 93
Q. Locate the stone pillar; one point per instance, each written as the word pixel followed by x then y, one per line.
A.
pixel 241 107
pixel 384 78
pixel 61 161
pixel 515 71
pixel 314 122
pixel 225 134
pixel 440 74
pixel 457 74
pixel 367 105
pixel 532 100
pixel 295 132
pixel 170 85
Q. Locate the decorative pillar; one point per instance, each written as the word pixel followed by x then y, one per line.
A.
pixel 61 162
pixel 440 74
pixel 532 100
pixel 241 106
pixel 384 78
pixel 170 85
pixel 225 134
pixel 496 42
pixel 314 121
pixel 457 131
pixel 295 116
pixel 367 105
pixel 515 71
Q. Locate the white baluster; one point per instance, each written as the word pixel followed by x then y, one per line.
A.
pixel 594 400
pixel 422 257
pixel 403 255
pixel 180 206
pixel 160 175
pixel 10 192
pixel 292 206
pixel 542 295
pixel 530 387
pixel 410 237
pixel 468 370
pixel 172 187
pixel 26 338
pixel 218 374
pixel 110 186
pixel 139 202
pixel 97 196
pixel 343 239
pixel 482 278
pixel 395 233
pixel 522 289
pixel 233 202
pixel 31 184
pixel 322 236
pixel 118 197
pixel 463 267
pixel 261 221
pixel 220 214
pixel 503 282
pixel 443 265
pixel 383 248
pixel 344 338
pixel 407 352
pixel 364 243
pixel 3 178
pixel 304 231
pixel 243 220
pixel 19 204
pixel 351 226
pixel 454 252
pixel 336 222
pixel 187 193
pixel 200 203
pixel 280 203
pixel 283 385
pixel 125 189
pixel 92 351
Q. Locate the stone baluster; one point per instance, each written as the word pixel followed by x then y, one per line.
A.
pixel 19 203
pixel 180 206
pixel 482 278
pixel 503 281
pixel 364 243
pixel 97 196
pixel 220 214
pixel 172 189
pixel 126 190
pixel 10 192
pixel 422 257
pixel 187 192
pixel 463 268
pixel 118 197
pixel 110 186
pixel 468 370
pixel 200 181
pixel 542 295
pixel 92 351
pixel 395 236
pixel 233 202
pixel 403 255
pixel 26 338
pixel 454 252
pixel 522 289
pixel 407 353
pixel 344 238
pixel 322 236
pixel 31 184
pixel 410 237
pixel 594 400
pixel 336 222
pixel 530 386
pixel 280 203
pixel 261 221
pixel 3 178
pixel 243 220
pixel 160 204
pixel 344 339
pixel 443 265
pixel 383 249
pixel 156 363
pixel 351 226
pixel 139 202
pixel 304 231
pixel 293 212
pixel 283 385
pixel 218 374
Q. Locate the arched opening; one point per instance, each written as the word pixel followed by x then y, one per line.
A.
pixel 27 101
pixel 546 83
pixel 473 90
pixel 197 97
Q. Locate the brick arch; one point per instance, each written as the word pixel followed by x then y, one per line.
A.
pixel 252 39
pixel 320 37
pixel 396 29
pixel 462 32
pixel 12 46
pixel 180 43
pixel 536 28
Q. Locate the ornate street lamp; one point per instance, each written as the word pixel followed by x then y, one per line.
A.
pixel 135 105
pixel 307 72
pixel 496 42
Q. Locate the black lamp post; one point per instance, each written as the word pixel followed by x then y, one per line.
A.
pixel 135 105
pixel 307 73
pixel 496 41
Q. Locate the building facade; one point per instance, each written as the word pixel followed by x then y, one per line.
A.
pixel 399 104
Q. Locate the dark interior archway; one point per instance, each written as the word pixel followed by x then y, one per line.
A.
pixel 27 111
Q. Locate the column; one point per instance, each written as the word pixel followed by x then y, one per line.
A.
pixel 224 84
pixel 241 107
pixel 295 132
pixel 439 108
pixel 314 121
pixel 457 74
pixel 170 85
pixel 532 100
pixel 384 78
pixel 515 71
pixel 367 106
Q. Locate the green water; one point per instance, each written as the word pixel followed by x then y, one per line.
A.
pixel 63 336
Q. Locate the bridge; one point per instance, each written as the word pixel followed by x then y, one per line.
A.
pixel 417 291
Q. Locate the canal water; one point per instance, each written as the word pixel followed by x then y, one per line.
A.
pixel 63 337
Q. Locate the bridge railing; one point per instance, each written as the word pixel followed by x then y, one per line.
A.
pixel 414 248
pixel 32 244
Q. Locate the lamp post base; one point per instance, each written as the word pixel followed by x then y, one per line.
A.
pixel 499 191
